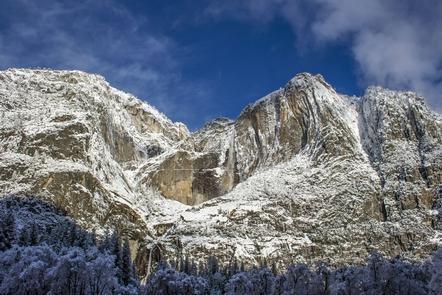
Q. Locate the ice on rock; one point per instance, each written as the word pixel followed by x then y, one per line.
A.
pixel 304 174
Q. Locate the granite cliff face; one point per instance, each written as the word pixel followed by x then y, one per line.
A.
pixel 303 174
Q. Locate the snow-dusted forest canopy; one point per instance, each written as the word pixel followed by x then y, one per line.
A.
pixel 42 251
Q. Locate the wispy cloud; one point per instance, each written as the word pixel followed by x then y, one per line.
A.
pixel 397 44
pixel 100 37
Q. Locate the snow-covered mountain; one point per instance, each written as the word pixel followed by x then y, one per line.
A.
pixel 302 175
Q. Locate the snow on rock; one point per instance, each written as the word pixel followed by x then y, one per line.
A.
pixel 304 174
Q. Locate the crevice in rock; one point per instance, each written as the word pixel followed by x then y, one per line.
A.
pixel 383 211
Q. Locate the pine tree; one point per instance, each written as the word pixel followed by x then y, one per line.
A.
pixel 127 274
pixel 212 265
pixel 115 246
pixel 9 228
pixel 72 235
pixel 106 244
pixel 7 232
pixel 193 269
pixel 94 238
pixel 186 267
pixel 87 241
pixel 263 263
pixel 233 267
pixel 80 238
pixel 202 269
pixel 23 237
pixel 324 274
pixel 274 268
pixel 181 263
pixel 4 242
pixel 242 268
pixel 65 231
pixel 34 237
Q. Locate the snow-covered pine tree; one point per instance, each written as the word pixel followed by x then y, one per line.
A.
pixel 23 237
pixel 34 235
pixel 127 274
pixel 7 231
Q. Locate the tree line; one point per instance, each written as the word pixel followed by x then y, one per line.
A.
pixel 42 251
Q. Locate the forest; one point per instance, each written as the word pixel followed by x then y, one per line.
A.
pixel 43 251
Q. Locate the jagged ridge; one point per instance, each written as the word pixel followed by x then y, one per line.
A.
pixel 304 174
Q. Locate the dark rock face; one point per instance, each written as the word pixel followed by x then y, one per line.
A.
pixel 304 174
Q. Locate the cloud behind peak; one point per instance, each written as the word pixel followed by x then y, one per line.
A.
pixel 396 44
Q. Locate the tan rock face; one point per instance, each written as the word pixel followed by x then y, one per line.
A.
pixel 269 132
pixel 192 180
pixel 67 142
pixel 69 138
pixel 174 178
pixel 321 177
pixel 304 174
pixel 147 122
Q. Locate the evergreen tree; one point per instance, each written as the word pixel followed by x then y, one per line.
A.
pixel 278 284
pixel 233 267
pixel 239 284
pixel 435 283
pixel 274 268
pixel 4 242
pixel 7 232
pixel 180 262
pixel 94 237
pixel 72 235
pixel 242 268
pixel 105 245
pixel 212 265
pixel 115 244
pixel 34 236
pixel 324 274
pixel 23 237
pixel 301 280
pixel 35 266
pixel 127 273
pixel 186 267
pixel 202 269
pixel 81 239
pixel 193 269
pixel 9 227
pixel 65 237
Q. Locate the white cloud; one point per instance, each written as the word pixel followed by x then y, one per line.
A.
pixel 397 44
pixel 100 37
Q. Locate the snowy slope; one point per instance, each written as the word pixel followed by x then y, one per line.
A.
pixel 303 174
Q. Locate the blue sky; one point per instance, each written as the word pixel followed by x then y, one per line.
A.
pixel 197 60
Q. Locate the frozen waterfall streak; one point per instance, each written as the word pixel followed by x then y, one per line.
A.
pixel 149 263
pixel 155 244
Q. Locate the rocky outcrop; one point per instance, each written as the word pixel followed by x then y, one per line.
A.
pixel 70 138
pixel 404 144
pixel 304 174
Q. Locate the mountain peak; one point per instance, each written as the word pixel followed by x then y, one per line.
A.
pixel 302 174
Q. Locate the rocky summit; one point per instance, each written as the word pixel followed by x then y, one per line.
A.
pixel 304 174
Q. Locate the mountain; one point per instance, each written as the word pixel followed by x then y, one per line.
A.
pixel 304 174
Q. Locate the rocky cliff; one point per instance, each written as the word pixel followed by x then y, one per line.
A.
pixel 303 174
